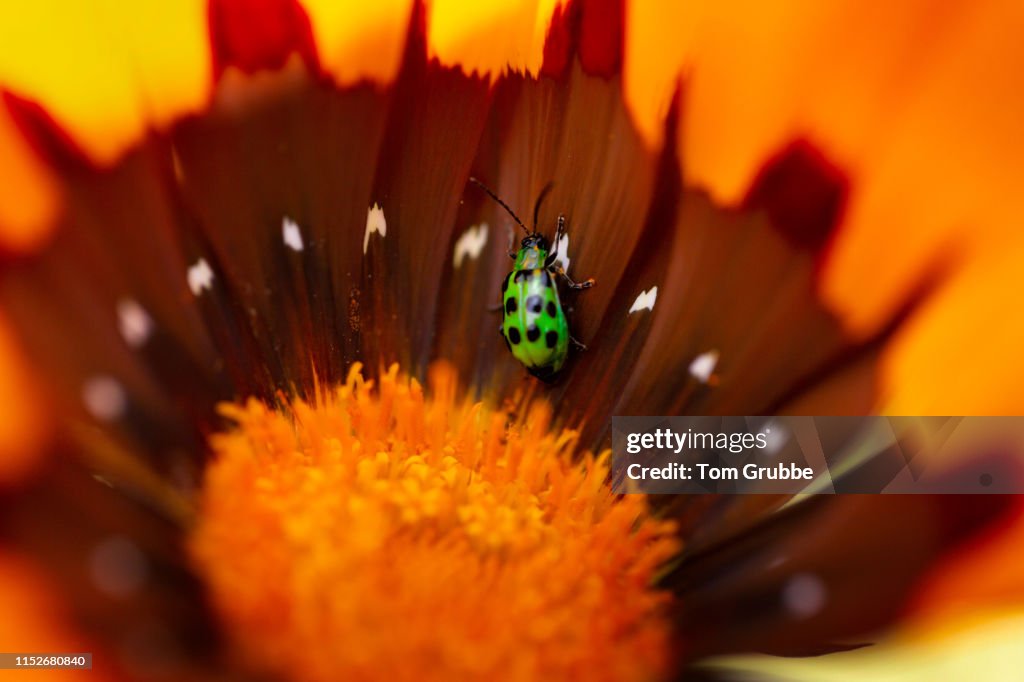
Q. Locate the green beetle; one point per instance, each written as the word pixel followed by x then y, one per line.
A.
pixel 533 323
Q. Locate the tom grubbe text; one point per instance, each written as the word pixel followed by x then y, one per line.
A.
pixel 677 442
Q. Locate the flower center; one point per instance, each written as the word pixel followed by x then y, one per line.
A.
pixel 383 533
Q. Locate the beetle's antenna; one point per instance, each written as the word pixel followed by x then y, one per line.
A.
pixel 500 202
pixel 540 199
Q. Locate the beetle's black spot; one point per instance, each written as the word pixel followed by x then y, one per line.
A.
pixel 513 335
pixel 532 333
pixel 552 311
pixel 534 303
pixel 521 276
pixel 510 305
pixel 543 277
pixel 504 284
pixel 551 339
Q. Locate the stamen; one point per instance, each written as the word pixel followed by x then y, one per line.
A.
pixel 393 533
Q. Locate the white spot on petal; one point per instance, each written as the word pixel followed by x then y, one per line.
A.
pixel 117 567
pixel 291 234
pixel 133 322
pixel 562 252
pixel 645 301
pixel 703 366
pixel 470 244
pixel 375 222
pixel 804 595
pixel 200 277
pixel 104 398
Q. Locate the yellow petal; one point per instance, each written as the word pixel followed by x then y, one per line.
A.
pixel 978 650
pixel 961 354
pixel 106 70
pixel 359 40
pixel 943 170
pixel 488 36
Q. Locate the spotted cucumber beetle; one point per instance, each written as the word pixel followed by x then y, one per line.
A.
pixel 533 323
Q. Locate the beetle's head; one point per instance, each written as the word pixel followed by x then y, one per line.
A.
pixel 534 240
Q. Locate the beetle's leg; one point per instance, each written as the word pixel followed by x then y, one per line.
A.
pixel 559 233
pixel 495 308
pixel 576 342
pixel 585 284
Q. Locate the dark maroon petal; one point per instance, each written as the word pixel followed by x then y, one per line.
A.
pixel 54 144
pixel 602 36
pixel 300 163
pixel 119 565
pixel 117 259
pixel 820 575
pixel 431 137
pixel 802 192
pixel 577 135
pixel 592 31
pixel 259 34
pixel 598 375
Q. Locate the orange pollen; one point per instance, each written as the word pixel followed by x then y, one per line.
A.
pixel 384 534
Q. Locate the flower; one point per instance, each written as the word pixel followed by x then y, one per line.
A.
pixel 197 272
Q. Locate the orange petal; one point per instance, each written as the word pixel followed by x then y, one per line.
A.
pixel 357 40
pixel 106 70
pixel 982 576
pixel 23 425
pixel 919 103
pixel 490 36
pixel 961 354
pixel 28 193
pixel 945 168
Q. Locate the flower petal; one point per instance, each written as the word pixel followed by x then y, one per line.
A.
pixel 24 424
pixel 29 193
pixel 985 650
pixel 360 40
pixel 38 621
pixel 488 37
pixel 980 578
pixel 117 570
pixel 259 34
pixel 106 71
pixel 741 593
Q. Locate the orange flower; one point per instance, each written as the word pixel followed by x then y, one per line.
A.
pixel 217 211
